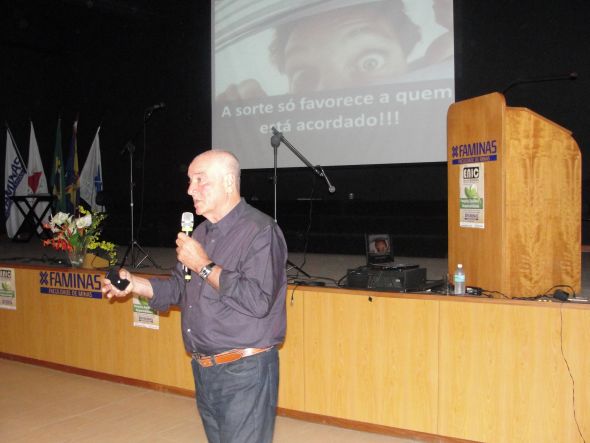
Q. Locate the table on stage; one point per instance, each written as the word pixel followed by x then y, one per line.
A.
pixel 27 204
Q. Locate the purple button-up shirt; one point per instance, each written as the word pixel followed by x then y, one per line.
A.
pixel 248 311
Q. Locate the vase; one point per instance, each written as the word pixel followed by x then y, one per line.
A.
pixel 76 256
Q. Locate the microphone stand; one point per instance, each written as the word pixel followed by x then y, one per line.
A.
pixel 275 142
pixel 277 138
pixel 134 246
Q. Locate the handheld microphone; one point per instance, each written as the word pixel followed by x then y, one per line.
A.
pixel 186 224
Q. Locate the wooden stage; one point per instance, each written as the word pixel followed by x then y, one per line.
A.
pixel 430 367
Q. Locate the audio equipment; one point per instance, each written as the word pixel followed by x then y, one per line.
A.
pixel 413 279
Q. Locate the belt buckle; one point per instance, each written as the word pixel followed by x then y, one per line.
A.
pixel 204 360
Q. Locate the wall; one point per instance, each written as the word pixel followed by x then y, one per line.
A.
pixel 108 61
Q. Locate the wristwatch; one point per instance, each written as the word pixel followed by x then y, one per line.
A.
pixel 206 270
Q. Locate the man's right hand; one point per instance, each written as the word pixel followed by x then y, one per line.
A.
pixel 110 291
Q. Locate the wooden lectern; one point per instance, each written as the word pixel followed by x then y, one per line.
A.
pixel 514 190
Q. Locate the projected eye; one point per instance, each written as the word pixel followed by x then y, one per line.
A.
pixel 370 62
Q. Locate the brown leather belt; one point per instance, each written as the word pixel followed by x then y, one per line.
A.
pixel 207 361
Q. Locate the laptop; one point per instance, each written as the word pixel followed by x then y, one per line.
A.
pixel 379 250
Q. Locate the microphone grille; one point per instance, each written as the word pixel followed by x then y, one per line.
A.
pixel 187 221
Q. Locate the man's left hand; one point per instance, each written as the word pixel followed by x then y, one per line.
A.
pixel 190 252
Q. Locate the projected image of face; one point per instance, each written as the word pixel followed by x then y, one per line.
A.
pixel 348 48
pixel 337 77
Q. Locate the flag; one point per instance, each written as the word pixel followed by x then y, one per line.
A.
pixel 36 180
pixel 14 184
pixel 58 183
pixel 91 176
pixel 73 174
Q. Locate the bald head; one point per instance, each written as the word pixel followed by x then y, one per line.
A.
pixel 214 183
pixel 222 162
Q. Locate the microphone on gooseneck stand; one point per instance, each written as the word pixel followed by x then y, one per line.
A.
pixel 549 78
pixel 186 224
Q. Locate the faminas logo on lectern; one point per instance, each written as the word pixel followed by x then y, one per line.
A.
pixel 72 284
pixel 476 152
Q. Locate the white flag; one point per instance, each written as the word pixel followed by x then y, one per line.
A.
pixel 36 180
pixel 91 176
pixel 15 183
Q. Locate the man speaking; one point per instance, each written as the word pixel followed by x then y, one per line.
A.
pixel 232 314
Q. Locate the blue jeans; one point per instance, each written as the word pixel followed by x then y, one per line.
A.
pixel 237 401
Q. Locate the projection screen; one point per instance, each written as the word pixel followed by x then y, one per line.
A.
pixel 347 82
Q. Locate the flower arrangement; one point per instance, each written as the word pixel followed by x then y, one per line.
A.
pixel 78 234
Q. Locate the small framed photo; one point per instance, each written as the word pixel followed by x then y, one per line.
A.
pixel 379 249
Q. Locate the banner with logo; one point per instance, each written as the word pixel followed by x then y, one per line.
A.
pixel 471 196
pixel 70 284
pixel 143 315
pixel 7 289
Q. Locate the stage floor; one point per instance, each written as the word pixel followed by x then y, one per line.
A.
pixel 327 268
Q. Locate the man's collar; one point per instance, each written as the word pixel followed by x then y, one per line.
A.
pixel 225 224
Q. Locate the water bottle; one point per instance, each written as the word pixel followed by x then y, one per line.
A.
pixel 459 280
